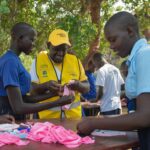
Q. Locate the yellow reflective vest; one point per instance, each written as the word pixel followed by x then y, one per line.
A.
pixel 70 70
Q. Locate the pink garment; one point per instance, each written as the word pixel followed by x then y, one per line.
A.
pixel 7 138
pixel 50 133
pixel 67 92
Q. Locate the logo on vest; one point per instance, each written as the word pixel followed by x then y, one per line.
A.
pixel 44 73
pixel 73 74
pixel 44 66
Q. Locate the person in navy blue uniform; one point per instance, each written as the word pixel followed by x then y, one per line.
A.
pixel 15 81
pixel 91 95
pixel 122 32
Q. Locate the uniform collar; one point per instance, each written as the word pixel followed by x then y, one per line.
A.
pixel 12 52
pixel 135 49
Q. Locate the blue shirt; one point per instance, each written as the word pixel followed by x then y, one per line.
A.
pixel 92 93
pixel 138 78
pixel 13 73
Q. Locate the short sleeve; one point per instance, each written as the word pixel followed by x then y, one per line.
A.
pixel 143 72
pixel 34 77
pixel 100 78
pixel 121 79
pixel 83 76
pixel 10 73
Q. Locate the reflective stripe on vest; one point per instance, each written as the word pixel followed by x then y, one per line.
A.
pixel 73 105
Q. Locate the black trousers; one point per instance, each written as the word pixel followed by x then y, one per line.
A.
pixel 112 112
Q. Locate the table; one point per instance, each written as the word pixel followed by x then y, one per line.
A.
pixel 101 143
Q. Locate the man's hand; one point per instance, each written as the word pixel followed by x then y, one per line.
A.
pixel 53 86
pixel 66 100
pixel 7 119
pixel 61 91
pixel 74 85
pixel 86 126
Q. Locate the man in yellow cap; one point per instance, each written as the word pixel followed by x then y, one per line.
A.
pixel 51 71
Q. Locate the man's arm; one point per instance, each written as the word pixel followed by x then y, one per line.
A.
pixel 84 87
pixel 38 88
pixel 42 88
pixel 137 120
pixel 38 98
pixel 99 92
pixel 20 107
pixel 80 86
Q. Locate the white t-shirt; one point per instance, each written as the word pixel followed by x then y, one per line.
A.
pixel 109 77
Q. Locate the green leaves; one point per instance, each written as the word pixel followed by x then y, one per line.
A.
pixel 4 9
pixel 46 15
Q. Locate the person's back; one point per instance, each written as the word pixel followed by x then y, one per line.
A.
pixel 91 95
pixel 110 78
pixel 3 61
pixel 8 57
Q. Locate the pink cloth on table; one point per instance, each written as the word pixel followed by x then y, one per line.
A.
pixel 50 133
pixel 6 138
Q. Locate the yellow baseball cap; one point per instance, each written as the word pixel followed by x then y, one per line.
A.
pixel 58 37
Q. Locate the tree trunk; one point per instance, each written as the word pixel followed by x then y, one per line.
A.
pixel 95 16
pixel 93 7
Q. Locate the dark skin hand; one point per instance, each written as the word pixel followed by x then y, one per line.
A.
pixel 20 107
pixel 82 87
pixel 133 121
pixel 7 119
pixel 55 87
pixel 38 98
pixel 51 85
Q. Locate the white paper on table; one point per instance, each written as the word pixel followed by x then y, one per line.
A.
pixel 8 127
pixel 108 133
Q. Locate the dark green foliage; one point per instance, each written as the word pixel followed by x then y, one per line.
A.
pixel 46 15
